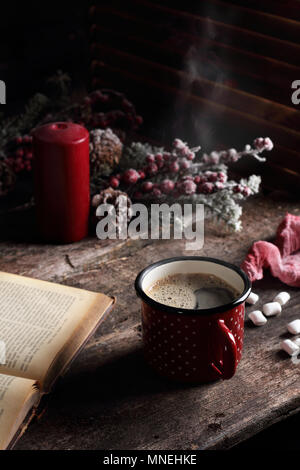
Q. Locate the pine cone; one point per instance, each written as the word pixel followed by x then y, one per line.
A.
pixel 111 196
pixel 7 178
pixel 105 151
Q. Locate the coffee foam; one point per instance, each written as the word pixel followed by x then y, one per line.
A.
pixel 179 290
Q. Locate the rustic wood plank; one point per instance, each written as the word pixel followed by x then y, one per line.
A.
pixel 110 400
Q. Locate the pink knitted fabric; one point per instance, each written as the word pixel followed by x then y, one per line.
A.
pixel 282 257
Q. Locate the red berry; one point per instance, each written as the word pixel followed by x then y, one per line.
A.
pixel 151 169
pixel 259 143
pixel 185 164
pixel 178 144
pixel 190 155
pixel 142 174
pixel 222 177
pixel 139 120
pixel 27 139
pixel 29 156
pixel 130 176
pixel 166 156
pixel 237 188
pixel 206 188
pixel 147 186
pixel 159 159
pixel 18 140
pixel 137 195
pixel 197 179
pixel 184 151
pixel 156 192
pixel 246 191
pixel 19 153
pixel 114 182
pixel 150 158
pixel 187 187
pixel 174 167
pixel 167 186
pixel 213 177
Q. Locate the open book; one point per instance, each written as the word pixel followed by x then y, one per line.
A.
pixel 42 325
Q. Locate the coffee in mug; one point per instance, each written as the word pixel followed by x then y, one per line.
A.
pixel 192 291
pixel 193 317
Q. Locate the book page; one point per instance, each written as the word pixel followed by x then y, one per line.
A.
pixel 17 396
pixel 37 319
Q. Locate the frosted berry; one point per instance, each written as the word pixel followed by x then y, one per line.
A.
pixel 185 164
pixel 246 191
pixel 212 177
pixel 142 174
pixel 237 188
pixel 114 182
pixel 147 186
pixel 167 186
pixel 174 167
pixel 156 192
pixel 222 177
pixel 166 156
pixel 259 143
pixel 206 188
pixel 268 144
pixel 197 179
pixel 159 157
pixel 190 155
pixel 187 187
pixel 219 185
pixel 150 158
pixel 130 176
pixel 151 169
pixel 178 144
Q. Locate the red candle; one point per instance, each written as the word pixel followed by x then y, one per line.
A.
pixel 62 183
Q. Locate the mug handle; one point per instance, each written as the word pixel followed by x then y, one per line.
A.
pixel 226 367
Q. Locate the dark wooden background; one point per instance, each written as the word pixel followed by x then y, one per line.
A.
pixel 215 72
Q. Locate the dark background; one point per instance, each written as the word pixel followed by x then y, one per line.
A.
pixel 37 39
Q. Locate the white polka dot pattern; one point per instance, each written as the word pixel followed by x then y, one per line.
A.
pixel 183 347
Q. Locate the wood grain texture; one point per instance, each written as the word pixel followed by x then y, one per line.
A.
pixel 109 399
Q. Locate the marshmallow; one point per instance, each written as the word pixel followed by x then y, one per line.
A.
pixel 294 327
pixel 252 298
pixel 282 298
pixel 297 342
pixel 271 308
pixel 290 347
pixel 257 318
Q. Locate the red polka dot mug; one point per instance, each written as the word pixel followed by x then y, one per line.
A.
pixel 193 345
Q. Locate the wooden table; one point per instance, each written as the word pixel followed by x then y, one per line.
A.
pixel 109 399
